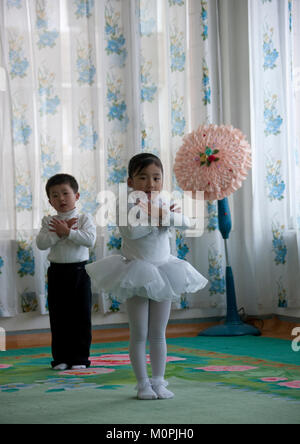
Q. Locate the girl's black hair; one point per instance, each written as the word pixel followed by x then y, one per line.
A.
pixel 60 179
pixel 140 161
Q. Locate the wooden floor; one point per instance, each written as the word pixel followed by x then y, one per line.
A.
pixel 273 327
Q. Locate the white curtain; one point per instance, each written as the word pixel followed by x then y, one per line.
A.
pixel 89 84
pixel 274 58
pixel 92 82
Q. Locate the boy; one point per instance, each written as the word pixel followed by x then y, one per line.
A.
pixel 69 236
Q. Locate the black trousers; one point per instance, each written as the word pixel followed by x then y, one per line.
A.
pixel 70 302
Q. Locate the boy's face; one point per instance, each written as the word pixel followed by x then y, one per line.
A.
pixel 63 198
pixel 147 180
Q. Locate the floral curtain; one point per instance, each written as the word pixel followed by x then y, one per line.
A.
pixel 274 54
pixel 89 84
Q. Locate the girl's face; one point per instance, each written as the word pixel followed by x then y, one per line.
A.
pixel 63 198
pixel 147 180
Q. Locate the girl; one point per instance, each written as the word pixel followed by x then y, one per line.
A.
pixel 147 276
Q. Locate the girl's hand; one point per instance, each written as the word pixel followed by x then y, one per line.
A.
pixel 149 208
pixel 160 212
pixel 60 227
pixel 145 206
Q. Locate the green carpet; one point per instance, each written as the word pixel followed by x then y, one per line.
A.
pixel 235 380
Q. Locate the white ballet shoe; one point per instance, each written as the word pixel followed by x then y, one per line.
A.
pixel 145 391
pixel 159 387
pixel 78 367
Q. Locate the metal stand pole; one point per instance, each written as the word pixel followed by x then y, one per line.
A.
pixel 233 325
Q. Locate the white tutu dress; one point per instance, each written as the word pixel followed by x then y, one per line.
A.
pixel 146 266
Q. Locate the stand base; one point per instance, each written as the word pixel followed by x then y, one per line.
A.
pixel 231 329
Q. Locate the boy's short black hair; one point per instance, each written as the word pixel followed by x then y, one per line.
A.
pixel 140 161
pixel 60 179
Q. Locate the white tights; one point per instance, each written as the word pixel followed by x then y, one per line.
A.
pixel 148 319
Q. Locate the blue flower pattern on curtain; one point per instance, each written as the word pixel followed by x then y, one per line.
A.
pixel 78 115
pixel 276 149
pixel 111 78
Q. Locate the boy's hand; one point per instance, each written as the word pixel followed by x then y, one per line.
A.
pixel 71 222
pixel 60 227
pixel 175 209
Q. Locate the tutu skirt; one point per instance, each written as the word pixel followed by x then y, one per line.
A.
pixel 125 278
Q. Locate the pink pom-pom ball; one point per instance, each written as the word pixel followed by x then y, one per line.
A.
pixel 214 159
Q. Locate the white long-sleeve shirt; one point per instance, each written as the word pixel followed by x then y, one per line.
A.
pixel 72 248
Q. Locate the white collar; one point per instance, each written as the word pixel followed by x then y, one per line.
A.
pixel 68 215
